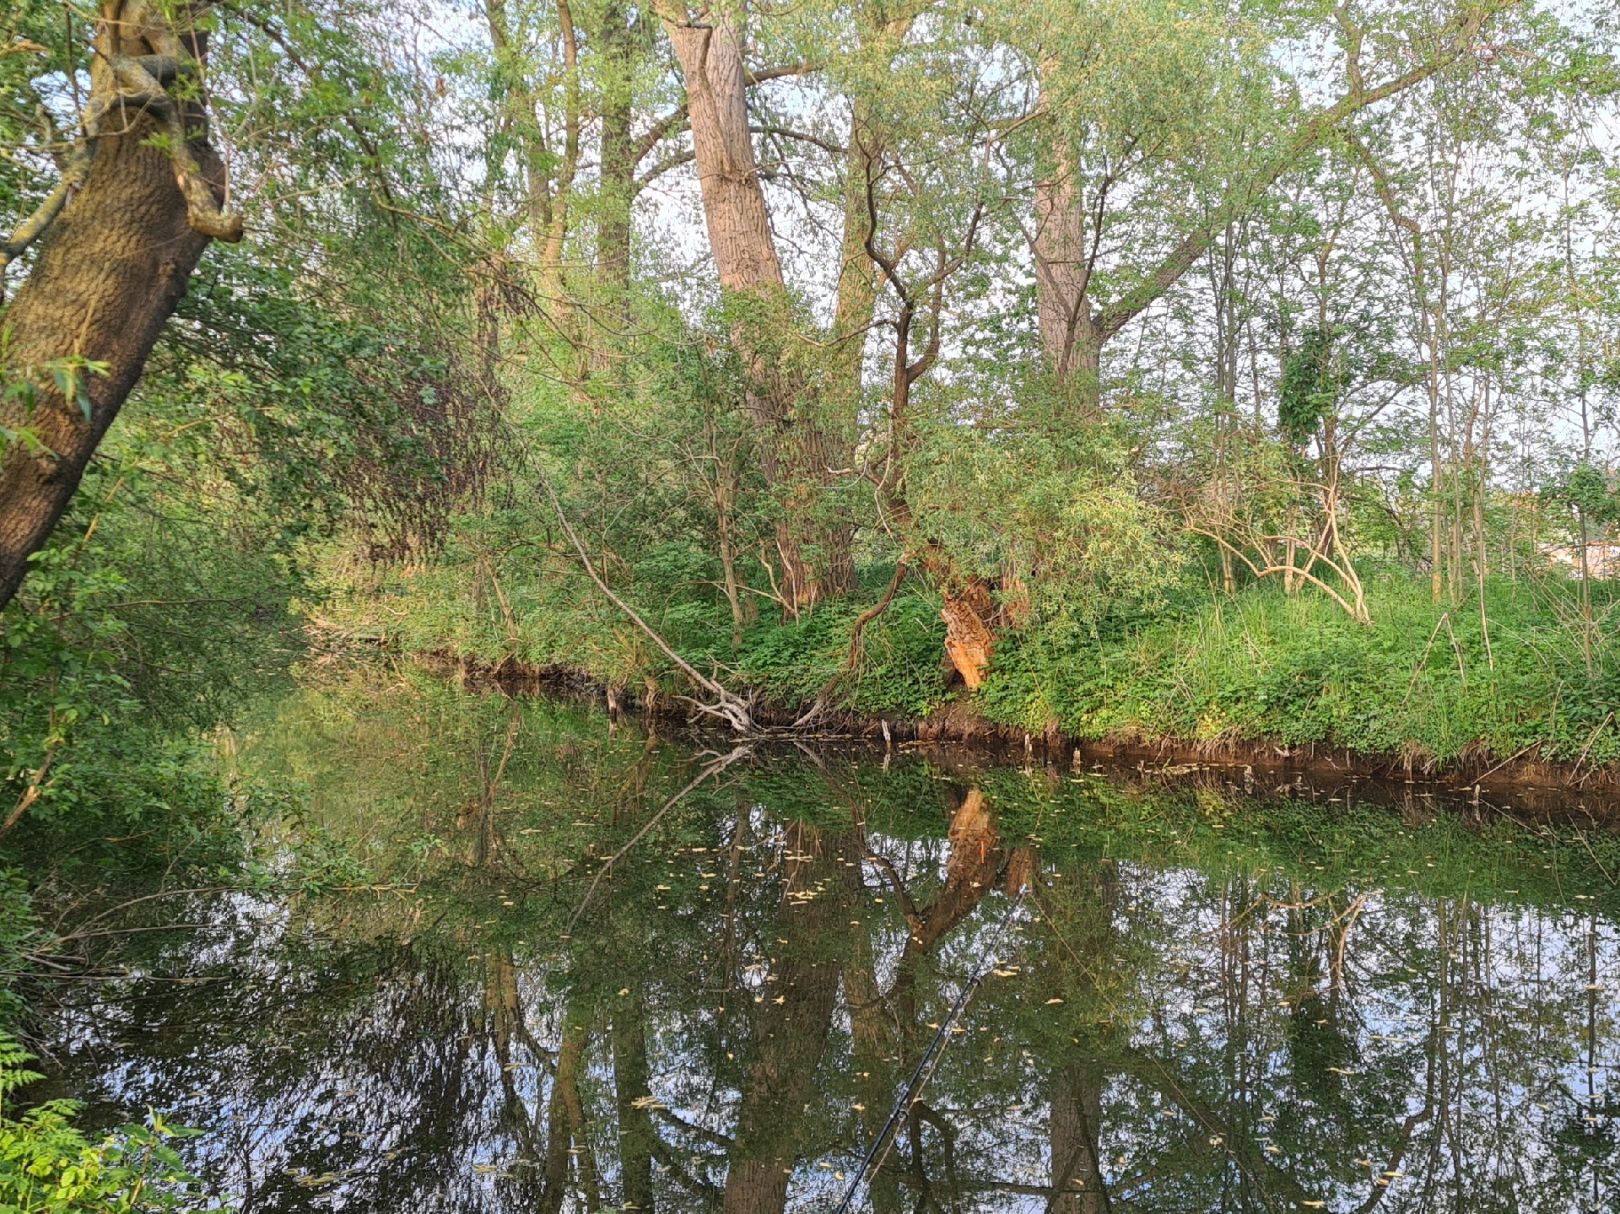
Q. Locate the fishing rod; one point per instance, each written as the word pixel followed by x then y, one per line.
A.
pixel 912 1092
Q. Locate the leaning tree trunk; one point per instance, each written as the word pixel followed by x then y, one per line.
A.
pixel 796 453
pixel 140 201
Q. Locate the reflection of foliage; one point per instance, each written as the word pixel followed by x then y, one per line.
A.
pixel 1586 1141
pixel 1325 1051
pixel 1172 969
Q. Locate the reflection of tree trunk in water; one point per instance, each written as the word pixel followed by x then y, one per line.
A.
pixel 1276 1187
pixel 630 1084
pixel 742 843
pixel 1075 1123
pixel 875 1050
pixel 631 793
pixel 566 1124
pixel 790 1029
pixel 477 813
pixel 504 1008
pixel 970 872
pixel 1074 1119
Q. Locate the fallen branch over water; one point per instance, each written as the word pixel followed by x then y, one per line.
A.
pixel 728 706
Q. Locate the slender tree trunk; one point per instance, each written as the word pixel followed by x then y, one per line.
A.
pixel 620 38
pixel 725 507
pixel 112 268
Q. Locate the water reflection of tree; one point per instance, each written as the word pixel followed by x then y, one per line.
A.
pixel 758 976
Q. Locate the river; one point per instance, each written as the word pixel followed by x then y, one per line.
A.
pixel 548 964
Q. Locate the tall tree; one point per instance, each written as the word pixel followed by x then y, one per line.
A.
pixel 796 451
pixel 140 196
pixel 1176 81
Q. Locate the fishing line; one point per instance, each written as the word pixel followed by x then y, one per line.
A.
pixel 912 1092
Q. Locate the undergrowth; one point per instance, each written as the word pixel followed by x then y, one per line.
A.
pixel 1424 682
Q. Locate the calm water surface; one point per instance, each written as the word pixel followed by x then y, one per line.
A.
pixel 537 979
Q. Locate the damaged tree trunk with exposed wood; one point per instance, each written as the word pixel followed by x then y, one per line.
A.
pixel 140 197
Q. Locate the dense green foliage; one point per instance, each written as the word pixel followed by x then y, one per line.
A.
pixel 1422 683
pixel 47 1166
pixel 466 348
pixel 1218 370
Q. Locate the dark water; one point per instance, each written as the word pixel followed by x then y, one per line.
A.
pixel 1202 1003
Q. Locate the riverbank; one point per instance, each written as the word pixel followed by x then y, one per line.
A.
pixel 1535 785
pixel 1279 685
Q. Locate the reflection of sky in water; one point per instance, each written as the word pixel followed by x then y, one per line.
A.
pixel 1245 1042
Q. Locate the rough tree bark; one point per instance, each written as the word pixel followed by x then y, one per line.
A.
pixel 795 452
pixel 141 199
pixel 1069 338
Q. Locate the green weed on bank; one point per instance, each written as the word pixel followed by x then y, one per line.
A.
pixel 1424 681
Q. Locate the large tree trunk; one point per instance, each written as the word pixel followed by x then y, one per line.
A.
pixel 796 454
pixel 734 210
pixel 1071 342
pixel 1070 338
pixel 112 268
pixel 1073 1126
pixel 970 639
